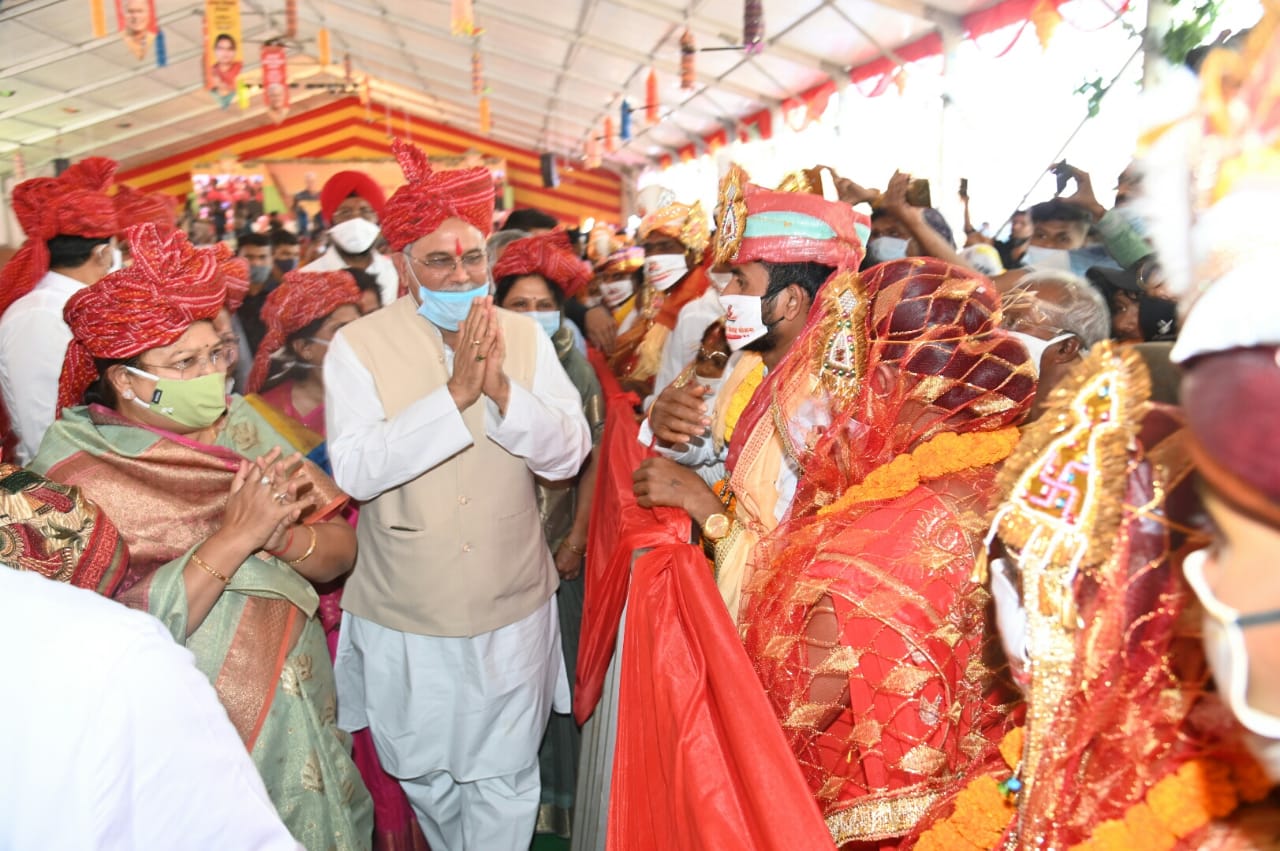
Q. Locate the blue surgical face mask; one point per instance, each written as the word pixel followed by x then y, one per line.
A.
pixel 885 248
pixel 549 320
pixel 445 308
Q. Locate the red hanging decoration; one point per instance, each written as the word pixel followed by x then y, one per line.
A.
pixel 485 119
pixel 610 143
pixel 290 18
pixel 592 158
pixel 688 61
pixel 651 98
pixel 462 20
pixel 753 26
pixel 477 73
pixel 275 80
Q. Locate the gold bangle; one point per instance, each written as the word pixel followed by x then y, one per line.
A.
pixel 571 548
pixel 311 549
pixel 204 565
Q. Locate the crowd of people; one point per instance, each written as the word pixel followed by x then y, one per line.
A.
pixel 990 520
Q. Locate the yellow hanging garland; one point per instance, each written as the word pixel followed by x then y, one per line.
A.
pixel 941 455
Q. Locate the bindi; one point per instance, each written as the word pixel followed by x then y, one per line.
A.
pixel 457 246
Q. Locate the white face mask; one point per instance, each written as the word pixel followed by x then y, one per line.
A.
pixel 662 271
pixel 743 320
pixel 615 293
pixel 885 248
pixel 354 236
pixel 117 260
pixel 1036 347
pixel 720 280
pixel 1047 258
pixel 1228 657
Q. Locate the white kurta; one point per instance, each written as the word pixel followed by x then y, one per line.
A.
pixel 115 740
pixel 380 267
pixel 469 709
pixel 33 343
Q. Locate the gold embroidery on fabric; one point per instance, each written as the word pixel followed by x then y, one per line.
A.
pixel 866 733
pixel 974 745
pixel 806 715
pixel 289 681
pixel 931 711
pixel 780 646
pixel 923 759
pixel 244 436
pixel 882 818
pixel 948 634
pixel 841 661
pixel 905 680
pixel 312 778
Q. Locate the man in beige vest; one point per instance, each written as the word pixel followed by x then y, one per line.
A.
pixel 441 410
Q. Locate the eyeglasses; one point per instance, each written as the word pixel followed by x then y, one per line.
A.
pixel 220 359
pixel 230 349
pixel 444 264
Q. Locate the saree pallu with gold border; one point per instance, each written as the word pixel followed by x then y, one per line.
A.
pixel 261 645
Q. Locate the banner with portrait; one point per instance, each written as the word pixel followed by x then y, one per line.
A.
pixel 275 81
pixel 136 20
pixel 223 52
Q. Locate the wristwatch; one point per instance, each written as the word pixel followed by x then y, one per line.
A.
pixel 715 527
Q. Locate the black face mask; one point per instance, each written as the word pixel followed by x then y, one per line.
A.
pixel 286 266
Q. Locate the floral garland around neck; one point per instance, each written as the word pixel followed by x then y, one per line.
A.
pixel 941 455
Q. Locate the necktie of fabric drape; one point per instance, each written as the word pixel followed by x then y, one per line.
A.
pixel 52 529
pixel 136 208
pixel 861 619
pixel 170 284
pixel 429 197
pixel 548 255
pixel 301 298
pixel 343 185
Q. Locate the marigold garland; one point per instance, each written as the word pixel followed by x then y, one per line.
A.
pixel 741 398
pixel 1199 792
pixel 941 455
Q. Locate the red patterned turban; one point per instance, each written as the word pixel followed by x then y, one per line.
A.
pixel 343 185
pixel 170 285
pixel 621 261
pixel 429 197
pixel 762 225
pixel 301 298
pixel 548 255
pixel 237 284
pixel 136 208
pixel 73 204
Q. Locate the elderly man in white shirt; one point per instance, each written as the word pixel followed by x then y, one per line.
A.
pixel 351 202
pixel 441 411
pixel 69 222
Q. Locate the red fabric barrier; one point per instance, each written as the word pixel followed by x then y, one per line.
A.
pixel 700 760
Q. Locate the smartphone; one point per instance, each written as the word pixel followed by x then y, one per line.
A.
pixel 1063 172
pixel 964 188
pixel 918 193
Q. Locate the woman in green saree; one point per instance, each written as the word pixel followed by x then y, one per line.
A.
pixel 226 535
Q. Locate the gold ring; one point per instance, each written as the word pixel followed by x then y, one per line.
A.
pixel 479 357
pixel 280 497
pixel 264 481
pixel 475 342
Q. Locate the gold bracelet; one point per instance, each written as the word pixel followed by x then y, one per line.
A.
pixel 204 565
pixel 571 548
pixel 311 549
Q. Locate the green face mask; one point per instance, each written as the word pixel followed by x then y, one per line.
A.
pixel 191 402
